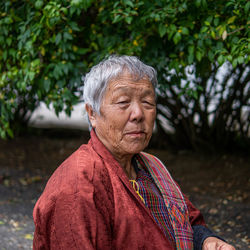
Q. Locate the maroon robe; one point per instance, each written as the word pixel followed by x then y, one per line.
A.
pixel 89 203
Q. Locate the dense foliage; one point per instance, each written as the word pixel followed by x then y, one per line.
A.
pixel 46 46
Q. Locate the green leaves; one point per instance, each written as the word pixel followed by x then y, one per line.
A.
pixel 231 19
pixel 177 37
pixel 46 46
pixel 58 38
pixel 82 4
pixel 162 29
pixel 46 84
pixel 125 11
pixel 36 39
pixel 247 7
pixel 184 31
pixel 38 4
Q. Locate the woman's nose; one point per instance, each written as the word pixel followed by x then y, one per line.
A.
pixel 137 112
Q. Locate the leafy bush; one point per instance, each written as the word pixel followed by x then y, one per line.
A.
pixel 46 46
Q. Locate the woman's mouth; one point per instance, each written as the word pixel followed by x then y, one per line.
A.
pixel 136 133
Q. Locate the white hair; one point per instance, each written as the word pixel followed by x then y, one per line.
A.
pixel 96 81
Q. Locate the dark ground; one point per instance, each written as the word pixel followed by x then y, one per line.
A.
pixel 219 185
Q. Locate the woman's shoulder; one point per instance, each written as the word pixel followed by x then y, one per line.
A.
pixel 76 174
pixel 79 177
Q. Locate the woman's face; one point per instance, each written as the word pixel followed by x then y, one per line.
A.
pixel 127 115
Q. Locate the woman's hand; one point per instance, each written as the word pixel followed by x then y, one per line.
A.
pixel 213 243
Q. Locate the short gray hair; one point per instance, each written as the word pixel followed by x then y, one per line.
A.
pixel 96 81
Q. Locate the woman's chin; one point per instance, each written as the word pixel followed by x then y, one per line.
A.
pixel 136 148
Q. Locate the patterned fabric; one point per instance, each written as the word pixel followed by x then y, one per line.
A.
pixel 136 187
pixel 154 201
pixel 89 203
pixel 173 199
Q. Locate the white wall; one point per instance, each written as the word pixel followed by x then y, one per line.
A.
pixel 43 117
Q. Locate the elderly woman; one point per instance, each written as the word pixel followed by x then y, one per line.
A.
pixel 109 194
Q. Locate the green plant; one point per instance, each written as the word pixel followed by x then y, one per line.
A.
pixel 46 46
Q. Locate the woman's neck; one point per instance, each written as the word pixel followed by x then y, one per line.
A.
pixel 126 163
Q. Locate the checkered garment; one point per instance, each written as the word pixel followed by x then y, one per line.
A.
pixel 165 201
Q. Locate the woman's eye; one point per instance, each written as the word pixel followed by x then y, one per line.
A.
pixel 149 103
pixel 122 102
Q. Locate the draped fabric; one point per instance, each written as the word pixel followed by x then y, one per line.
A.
pixel 89 203
pixel 155 203
pixel 174 201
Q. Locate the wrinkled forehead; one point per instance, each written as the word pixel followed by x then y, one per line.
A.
pixel 129 84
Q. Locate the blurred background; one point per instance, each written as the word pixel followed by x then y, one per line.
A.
pixel 200 50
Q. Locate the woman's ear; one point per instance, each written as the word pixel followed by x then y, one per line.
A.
pixel 91 115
